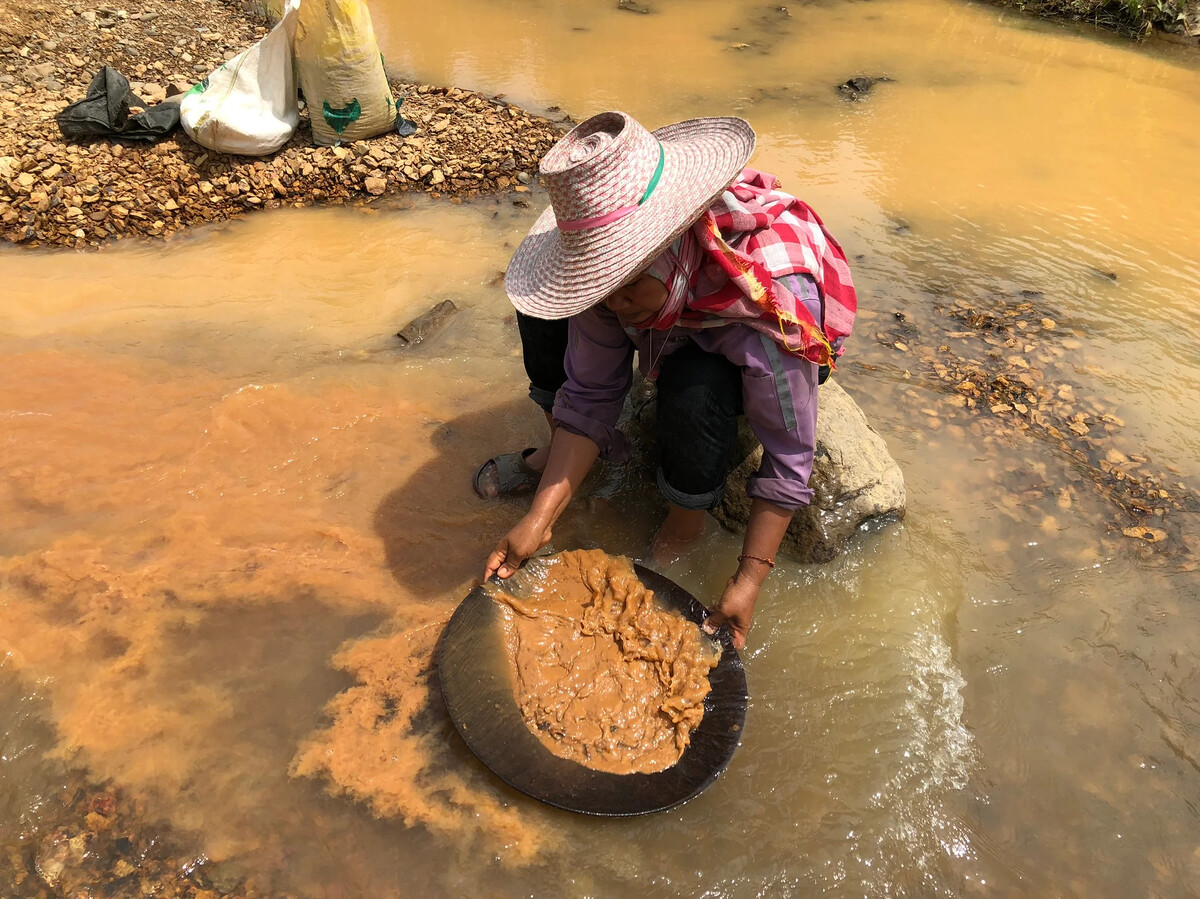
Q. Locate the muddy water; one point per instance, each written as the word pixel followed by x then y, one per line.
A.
pixel 235 516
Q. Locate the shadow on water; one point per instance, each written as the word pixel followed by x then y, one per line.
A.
pixel 436 532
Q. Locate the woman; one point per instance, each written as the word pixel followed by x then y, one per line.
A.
pixel 732 294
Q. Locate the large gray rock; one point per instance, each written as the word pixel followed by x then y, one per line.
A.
pixel 855 480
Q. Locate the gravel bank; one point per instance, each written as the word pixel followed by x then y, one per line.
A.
pixel 61 194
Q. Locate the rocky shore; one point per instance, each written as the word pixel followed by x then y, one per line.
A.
pixel 1176 21
pixel 56 193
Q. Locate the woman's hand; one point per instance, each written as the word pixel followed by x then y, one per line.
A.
pixel 529 535
pixel 736 609
pixel 764 532
pixel 571 458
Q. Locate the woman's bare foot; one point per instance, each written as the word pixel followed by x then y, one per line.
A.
pixel 678 533
pixel 521 479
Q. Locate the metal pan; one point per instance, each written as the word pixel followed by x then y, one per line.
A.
pixel 473 668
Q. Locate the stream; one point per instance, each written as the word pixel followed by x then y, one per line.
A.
pixel 236 514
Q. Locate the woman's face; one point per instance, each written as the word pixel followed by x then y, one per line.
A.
pixel 638 302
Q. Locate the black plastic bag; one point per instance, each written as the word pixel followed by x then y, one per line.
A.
pixel 104 112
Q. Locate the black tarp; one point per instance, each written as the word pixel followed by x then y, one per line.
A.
pixel 104 112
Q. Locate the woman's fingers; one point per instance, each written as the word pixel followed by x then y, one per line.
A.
pixel 518 545
pixel 497 562
pixel 717 620
pixel 712 622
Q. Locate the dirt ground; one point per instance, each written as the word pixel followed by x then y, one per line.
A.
pixel 68 194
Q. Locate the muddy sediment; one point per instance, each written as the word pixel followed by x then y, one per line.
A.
pixel 602 674
pixel 390 745
pixel 234 557
pixel 57 193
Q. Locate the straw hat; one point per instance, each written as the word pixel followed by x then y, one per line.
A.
pixel 619 195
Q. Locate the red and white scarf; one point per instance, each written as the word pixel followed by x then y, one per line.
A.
pixel 727 264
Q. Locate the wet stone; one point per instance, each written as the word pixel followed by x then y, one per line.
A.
pixel 1011 397
pixel 860 85
pixel 91 841
pixel 427 324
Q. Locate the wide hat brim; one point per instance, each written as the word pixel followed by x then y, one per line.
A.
pixel 550 279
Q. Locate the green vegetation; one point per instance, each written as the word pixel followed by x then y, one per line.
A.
pixel 1138 17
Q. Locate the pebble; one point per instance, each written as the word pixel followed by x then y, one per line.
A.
pixel 39 71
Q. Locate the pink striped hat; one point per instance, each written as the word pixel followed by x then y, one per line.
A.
pixel 619 195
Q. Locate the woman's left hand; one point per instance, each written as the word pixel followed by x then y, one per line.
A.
pixel 735 610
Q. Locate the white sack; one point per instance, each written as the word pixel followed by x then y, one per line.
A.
pixel 248 106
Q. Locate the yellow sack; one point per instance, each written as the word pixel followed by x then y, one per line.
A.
pixel 341 72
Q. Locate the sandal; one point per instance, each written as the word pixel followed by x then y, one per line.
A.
pixel 513 474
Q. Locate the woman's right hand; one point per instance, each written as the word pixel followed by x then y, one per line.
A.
pixel 529 535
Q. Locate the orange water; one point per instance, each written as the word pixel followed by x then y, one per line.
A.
pixel 236 516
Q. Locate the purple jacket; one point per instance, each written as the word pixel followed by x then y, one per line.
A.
pixel 779 391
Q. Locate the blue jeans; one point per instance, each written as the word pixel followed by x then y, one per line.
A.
pixel 699 401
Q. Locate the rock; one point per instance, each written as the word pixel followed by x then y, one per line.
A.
pixel 524 177
pixel 88 16
pixel 175 88
pixel 153 93
pixel 860 85
pixel 632 6
pixel 427 324
pixel 375 186
pixel 122 868
pixel 8 167
pixel 41 70
pixel 855 482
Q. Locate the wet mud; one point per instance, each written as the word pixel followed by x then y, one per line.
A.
pixel 602 674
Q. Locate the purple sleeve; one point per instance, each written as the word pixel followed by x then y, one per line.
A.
pixel 779 394
pixel 599 367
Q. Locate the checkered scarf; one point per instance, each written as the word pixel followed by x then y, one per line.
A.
pixel 727 264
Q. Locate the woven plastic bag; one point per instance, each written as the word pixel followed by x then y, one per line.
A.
pixel 248 106
pixel 341 72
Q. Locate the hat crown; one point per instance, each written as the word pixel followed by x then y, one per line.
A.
pixel 601 165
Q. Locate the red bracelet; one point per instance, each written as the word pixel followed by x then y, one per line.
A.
pixel 770 563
